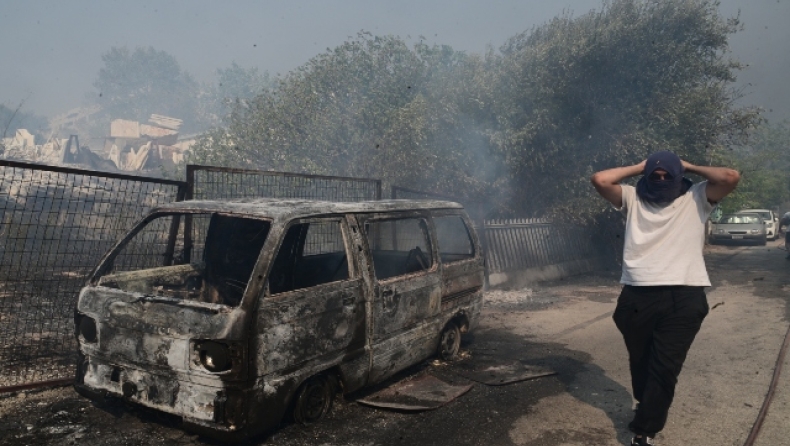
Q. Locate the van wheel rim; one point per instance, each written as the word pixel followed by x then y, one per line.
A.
pixel 450 342
pixel 314 400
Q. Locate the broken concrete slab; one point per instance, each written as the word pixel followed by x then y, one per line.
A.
pixel 159 135
pixel 165 121
pixel 124 128
pixel 24 138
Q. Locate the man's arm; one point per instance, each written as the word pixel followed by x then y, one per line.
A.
pixel 607 182
pixel 721 180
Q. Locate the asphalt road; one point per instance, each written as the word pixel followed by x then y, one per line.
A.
pixel 565 326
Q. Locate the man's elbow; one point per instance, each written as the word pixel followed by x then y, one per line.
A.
pixel 597 180
pixel 731 177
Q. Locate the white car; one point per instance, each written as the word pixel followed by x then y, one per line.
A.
pixel 770 219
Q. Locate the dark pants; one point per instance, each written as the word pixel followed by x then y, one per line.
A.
pixel 658 324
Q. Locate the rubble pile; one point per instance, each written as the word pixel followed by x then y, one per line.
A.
pixel 22 146
pixel 131 146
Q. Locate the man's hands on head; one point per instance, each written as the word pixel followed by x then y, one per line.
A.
pixel 721 180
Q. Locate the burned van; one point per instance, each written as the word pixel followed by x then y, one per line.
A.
pixel 231 315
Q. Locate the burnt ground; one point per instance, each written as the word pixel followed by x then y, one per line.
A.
pixel 564 325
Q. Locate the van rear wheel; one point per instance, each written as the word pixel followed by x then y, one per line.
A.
pixel 313 399
pixel 449 342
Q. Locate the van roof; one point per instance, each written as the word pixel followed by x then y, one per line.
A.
pixel 296 208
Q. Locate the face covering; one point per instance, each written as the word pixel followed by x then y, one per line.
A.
pixel 671 187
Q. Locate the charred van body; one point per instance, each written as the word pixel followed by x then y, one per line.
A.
pixel 232 314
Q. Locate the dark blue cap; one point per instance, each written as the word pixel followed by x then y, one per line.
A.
pixel 663 190
pixel 665 160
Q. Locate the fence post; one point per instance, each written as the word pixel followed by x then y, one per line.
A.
pixel 190 192
pixel 171 238
pixel 480 220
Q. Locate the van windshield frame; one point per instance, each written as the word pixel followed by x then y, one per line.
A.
pixel 206 257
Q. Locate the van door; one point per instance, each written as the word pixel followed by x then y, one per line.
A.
pixel 407 291
pixel 312 313
pixel 463 273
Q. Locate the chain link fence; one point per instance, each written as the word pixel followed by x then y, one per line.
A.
pixel 211 183
pixel 55 224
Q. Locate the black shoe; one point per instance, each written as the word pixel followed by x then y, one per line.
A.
pixel 642 441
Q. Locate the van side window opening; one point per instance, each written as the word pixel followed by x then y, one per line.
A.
pixel 453 238
pixel 154 264
pixel 311 254
pixel 399 246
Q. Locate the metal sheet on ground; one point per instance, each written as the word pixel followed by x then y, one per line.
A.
pixel 424 392
pixel 496 372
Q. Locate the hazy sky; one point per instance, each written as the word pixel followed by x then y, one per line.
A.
pixel 50 51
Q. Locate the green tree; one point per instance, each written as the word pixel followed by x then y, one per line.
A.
pixel 134 84
pixel 234 84
pixel 522 129
pixel 372 107
pixel 764 164
pixel 609 87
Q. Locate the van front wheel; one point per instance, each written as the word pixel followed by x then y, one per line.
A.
pixel 449 342
pixel 313 399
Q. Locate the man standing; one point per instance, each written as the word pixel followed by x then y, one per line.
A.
pixel 662 304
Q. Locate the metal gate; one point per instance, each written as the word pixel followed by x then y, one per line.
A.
pixel 55 224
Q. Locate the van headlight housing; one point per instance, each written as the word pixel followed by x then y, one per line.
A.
pixel 216 356
pixel 86 329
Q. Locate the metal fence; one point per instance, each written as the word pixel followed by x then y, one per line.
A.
pixel 519 244
pixel 208 182
pixel 55 224
pixel 404 192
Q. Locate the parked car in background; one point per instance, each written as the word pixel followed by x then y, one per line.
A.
pixel 770 218
pixel 740 227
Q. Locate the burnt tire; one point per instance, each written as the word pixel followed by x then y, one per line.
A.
pixel 449 342
pixel 313 400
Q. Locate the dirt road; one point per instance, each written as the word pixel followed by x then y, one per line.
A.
pixel 565 326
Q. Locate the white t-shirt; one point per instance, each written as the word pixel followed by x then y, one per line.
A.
pixel 663 243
